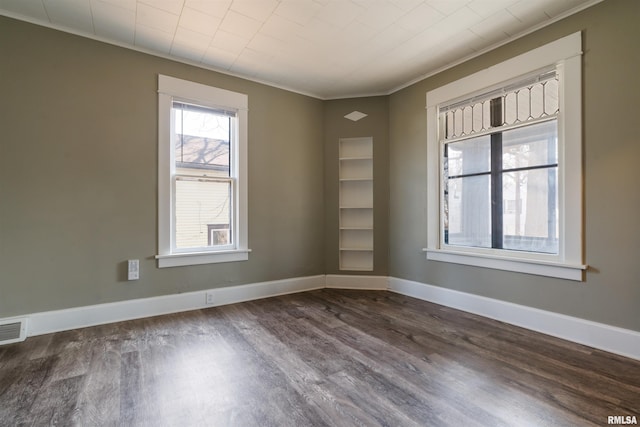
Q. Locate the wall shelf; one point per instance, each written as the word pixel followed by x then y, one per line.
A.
pixel 356 204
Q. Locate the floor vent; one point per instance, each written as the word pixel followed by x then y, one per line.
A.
pixel 13 330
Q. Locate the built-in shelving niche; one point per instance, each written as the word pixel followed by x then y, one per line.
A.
pixel 356 203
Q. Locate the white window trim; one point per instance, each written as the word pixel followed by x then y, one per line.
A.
pixel 170 88
pixel 565 55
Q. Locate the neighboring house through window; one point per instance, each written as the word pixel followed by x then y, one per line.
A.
pixel 504 148
pixel 202 174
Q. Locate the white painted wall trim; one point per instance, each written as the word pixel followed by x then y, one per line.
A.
pixel 343 281
pixel 81 317
pixel 621 341
pixel 616 340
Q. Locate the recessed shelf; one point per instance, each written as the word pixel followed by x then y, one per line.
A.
pixel 356 158
pixel 356 204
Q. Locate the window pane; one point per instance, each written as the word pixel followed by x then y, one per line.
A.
pixel 203 213
pixel 530 219
pixel 202 139
pixel 469 156
pixel 468 211
pixel 528 146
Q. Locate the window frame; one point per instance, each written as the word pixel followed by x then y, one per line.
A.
pixel 565 56
pixel 172 89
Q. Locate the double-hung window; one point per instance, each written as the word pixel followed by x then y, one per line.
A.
pixel 504 150
pixel 202 212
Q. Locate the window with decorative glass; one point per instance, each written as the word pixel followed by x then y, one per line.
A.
pixel 504 165
pixel 500 167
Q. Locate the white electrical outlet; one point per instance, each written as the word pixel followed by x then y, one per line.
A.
pixel 209 297
pixel 133 272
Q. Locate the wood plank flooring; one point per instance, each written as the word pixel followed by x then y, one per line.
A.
pixel 321 358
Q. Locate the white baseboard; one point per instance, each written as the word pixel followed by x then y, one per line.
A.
pixel 81 317
pixel 598 335
pixel 624 342
pixel 343 281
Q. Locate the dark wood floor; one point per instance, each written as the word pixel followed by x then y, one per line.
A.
pixel 334 358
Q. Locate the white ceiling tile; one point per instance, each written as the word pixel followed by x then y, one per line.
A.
pixel 250 61
pixel 295 48
pixel 172 6
pixel 30 8
pixel 75 14
pixel 421 18
pixel 129 5
pixel 281 28
pixel 113 22
pixel 219 58
pixel 389 40
pixel 200 22
pixel 555 8
pixel 357 34
pixel 187 37
pixel 216 8
pixel 264 43
pixel 379 15
pixel 188 51
pixel 153 39
pixel 298 11
pixel 465 43
pixel 259 10
pixel 240 25
pixel 486 8
pixel 497 27
pixel 447 6
pixel 405 5
pixel 124 4
pixel 528 12
pixel 458 21
pixel 229 42
pixel 339 13
pixel 152 17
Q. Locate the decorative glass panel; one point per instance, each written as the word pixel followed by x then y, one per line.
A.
pixel 531 99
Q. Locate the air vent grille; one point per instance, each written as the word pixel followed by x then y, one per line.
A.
pixel 12 331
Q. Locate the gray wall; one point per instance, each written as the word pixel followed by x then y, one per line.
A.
pixel 375 125
pixel 78 175
pixel 611 66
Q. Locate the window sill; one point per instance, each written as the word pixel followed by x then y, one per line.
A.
pixel 196 258
pixel 519 265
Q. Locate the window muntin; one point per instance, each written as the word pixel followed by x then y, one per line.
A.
pixel 202 174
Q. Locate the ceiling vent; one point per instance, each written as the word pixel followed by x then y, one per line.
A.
pixel 12 330
pixel 355 116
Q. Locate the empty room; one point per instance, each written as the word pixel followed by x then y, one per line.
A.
pixel 319 213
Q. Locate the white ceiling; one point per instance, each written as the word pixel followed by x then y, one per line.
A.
pixel 324 48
